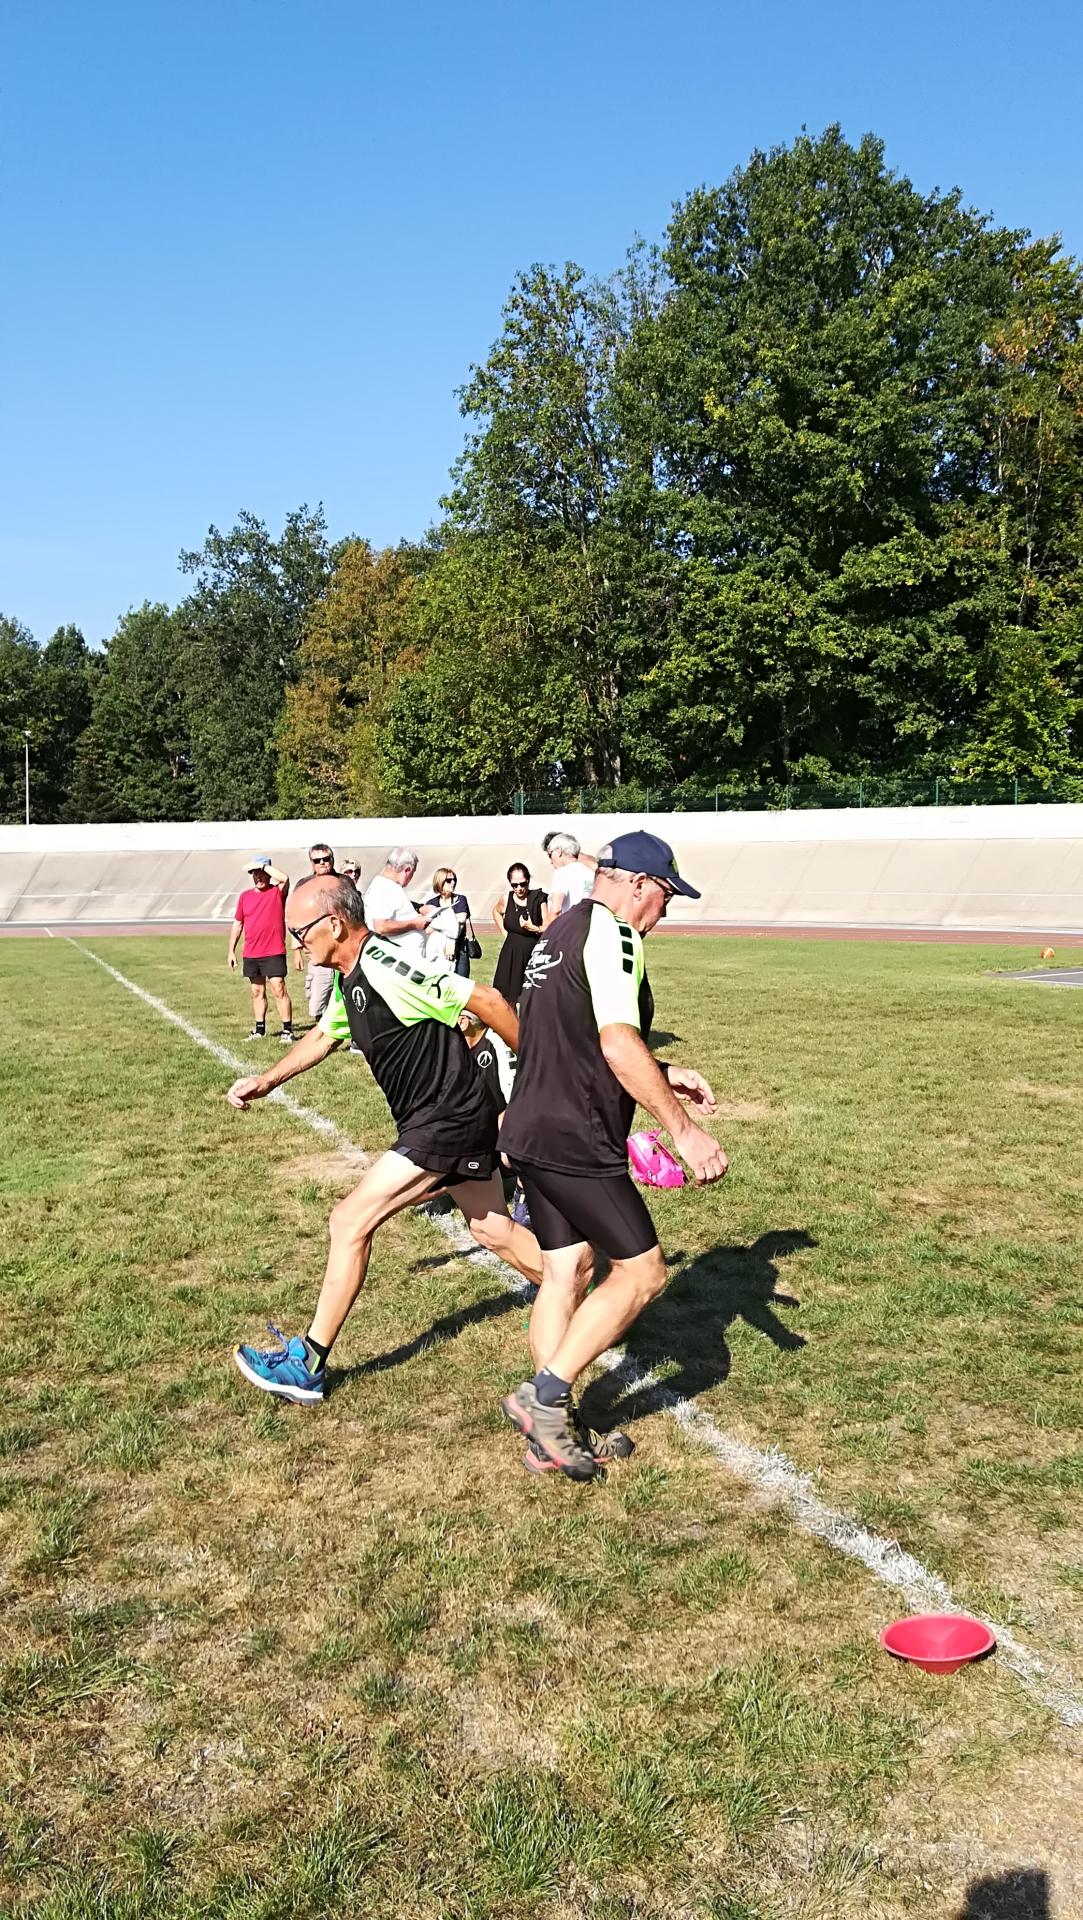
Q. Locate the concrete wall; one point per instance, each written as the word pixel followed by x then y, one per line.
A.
pixel 997 868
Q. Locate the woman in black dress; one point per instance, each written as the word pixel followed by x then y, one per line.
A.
pixel 518 916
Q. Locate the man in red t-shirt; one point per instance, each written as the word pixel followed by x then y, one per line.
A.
pixel 261 917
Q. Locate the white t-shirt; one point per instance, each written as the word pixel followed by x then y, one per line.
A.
pixel 386 900
pixel 574 881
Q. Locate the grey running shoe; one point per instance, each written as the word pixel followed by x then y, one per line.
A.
pixel 552 1431
pixel 604 1448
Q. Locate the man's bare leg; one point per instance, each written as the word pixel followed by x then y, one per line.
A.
pixel 543 1408
pixel 565 1279
pixel 259 1003
pixel 389 1185
pixel 606 1314
pixel 282 1002
pixel 481 1203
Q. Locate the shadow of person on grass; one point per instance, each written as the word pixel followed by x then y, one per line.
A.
pixel 1023 1893
pixel 688 1324
pixel 447 1328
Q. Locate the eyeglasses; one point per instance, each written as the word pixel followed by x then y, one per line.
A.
pixel 298 933
pixel 669 891
pixel 451 880
pixel 322 859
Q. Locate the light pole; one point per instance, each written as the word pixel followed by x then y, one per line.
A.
pixel 26 771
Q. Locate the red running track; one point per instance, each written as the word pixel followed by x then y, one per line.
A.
pixel 942 936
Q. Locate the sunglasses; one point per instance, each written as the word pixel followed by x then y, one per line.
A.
pixel 322 859
pixel 298 933
pixel 451 881
pixel 669 891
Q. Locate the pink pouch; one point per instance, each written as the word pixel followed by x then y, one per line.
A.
pixel 652 1165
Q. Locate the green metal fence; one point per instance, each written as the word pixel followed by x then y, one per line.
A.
pixel 866 790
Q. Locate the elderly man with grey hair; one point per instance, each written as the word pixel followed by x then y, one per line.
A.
pixel 389 911
pixel 573 877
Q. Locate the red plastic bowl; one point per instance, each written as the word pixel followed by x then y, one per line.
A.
pixel 938 1642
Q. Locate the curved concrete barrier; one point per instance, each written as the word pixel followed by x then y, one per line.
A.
pixel 1007 869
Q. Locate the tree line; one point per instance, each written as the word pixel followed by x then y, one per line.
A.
pixel 795 494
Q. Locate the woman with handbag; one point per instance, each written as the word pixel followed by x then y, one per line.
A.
pixel 518 914
pixel 449 935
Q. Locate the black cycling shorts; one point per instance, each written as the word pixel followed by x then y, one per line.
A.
pixel 608 1212
pixel 270 966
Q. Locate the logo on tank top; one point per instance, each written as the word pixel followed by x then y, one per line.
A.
pixel 541 964
pixel 359 998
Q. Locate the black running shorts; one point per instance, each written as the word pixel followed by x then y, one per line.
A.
pixel 271 966
pixel 608 1212
pixel 452 1168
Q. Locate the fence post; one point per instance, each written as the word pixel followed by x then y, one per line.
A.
pixel 1016 801
pixel 936 791
pixel 861 793
pixel 648 799
pixel 716 799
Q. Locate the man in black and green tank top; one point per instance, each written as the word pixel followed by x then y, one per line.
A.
pixel 403 1014
pixel 583 1065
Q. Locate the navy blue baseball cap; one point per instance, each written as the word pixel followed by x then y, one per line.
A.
pixel 645 853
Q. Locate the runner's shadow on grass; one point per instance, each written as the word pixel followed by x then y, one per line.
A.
pixel 447 1328
pixel 682 1336
pixel 1021 1894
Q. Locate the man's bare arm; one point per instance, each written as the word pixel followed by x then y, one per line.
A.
pixel 313 1046
pixel 492 1007
pixel 641 1076
pixel 235 933
pixel 554 908
pixel 387 929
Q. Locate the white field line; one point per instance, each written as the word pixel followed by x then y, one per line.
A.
pixel 50 933
pixel 768 1470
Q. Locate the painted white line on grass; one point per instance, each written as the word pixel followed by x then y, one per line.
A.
pixel 50 933
pixel 317 1121
pixel 769 1470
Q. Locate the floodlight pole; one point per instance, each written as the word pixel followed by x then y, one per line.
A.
pixel 26 770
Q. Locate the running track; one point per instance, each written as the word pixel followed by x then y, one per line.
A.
pixel 943 936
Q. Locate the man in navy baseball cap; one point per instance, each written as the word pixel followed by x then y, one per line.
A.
pixel 645 853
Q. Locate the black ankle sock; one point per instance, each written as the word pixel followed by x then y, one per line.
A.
pixel 551 1390
pixel 315 1355
pixel 261 1026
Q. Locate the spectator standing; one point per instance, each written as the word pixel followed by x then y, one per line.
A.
pixel 451 915
pixel 352 872
pixel 389 911
pixel 573 877
pixel 319 981
pixel 261 917
pixel 518 914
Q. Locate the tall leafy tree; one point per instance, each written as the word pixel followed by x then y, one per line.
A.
pixel 536 480
pixel 815 394
pixel 134 760
pixel 240 632
pixel 47 691
pixel 1030 720
pixel 354 648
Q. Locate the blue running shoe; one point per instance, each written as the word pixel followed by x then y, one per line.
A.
pixel 283 1370
pixel 520 1212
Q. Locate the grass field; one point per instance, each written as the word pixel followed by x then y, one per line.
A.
pixel 259 1662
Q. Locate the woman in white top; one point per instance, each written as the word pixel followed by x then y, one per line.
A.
pixel 447 928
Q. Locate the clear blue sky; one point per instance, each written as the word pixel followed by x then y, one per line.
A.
pixel 250 250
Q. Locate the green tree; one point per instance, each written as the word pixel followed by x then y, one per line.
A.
pixel 532 497
pixel 46 690
pixel 19 663
pixel 814 399
pixel 355 646
pixel 134 759
pixel 240 632
pixel 1029 720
